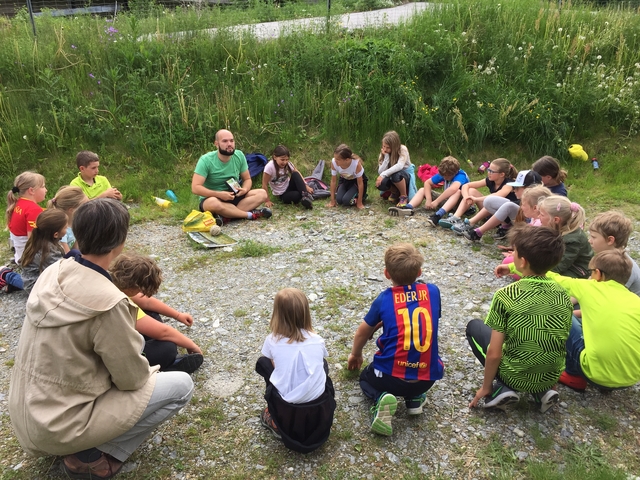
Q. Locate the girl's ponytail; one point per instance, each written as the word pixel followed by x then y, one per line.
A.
pixel 21 184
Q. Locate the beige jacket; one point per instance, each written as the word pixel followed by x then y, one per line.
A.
pixel 79 378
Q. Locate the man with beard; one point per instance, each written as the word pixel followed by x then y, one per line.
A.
pixel 221 179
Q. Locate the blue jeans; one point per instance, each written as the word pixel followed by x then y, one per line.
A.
pixel 575 346
pixel 14 279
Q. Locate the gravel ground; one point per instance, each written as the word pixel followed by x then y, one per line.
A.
pixel 336 257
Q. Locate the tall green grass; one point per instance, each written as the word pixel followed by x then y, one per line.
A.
pixel 454 79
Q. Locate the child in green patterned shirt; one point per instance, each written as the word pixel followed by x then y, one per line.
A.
pixel 521 343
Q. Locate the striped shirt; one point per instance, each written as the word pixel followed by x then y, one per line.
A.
pixel 408 346
pixel 534 314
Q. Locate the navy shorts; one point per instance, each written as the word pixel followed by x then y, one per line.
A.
pixel 235 201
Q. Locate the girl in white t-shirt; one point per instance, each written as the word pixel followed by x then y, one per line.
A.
pixel 294 364
pixel 285 181
pixel 352 186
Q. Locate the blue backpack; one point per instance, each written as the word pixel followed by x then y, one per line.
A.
pixel 256 162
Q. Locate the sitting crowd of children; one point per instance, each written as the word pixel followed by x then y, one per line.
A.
pixel 570 317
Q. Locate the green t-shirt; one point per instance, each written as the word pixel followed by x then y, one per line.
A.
pixel 216 172
pixel 611 330
pixel 534 314
pixel 100 185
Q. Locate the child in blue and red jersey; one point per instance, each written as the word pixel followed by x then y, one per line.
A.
pixel 407 362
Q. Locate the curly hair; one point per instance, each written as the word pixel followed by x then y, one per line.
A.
pixel 449 166
pixel 133 271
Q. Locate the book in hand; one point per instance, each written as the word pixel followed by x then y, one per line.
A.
pixel 234 185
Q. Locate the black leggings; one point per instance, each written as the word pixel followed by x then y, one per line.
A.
pixel 294 191
pixel 373 386
pixel 159 352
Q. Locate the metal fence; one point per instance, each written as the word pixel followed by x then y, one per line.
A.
pixel 73 7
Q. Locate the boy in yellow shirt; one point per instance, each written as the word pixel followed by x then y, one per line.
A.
pixel 92 184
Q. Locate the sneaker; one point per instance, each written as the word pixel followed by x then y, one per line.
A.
pixel 307 201
pixel 461 227
pixel 573 381
pixel 220 220
pixel 501 396
pixel 433 220
pixel 472 210
pixel 267 422
pixel 449 222
pixel 402 201
pixel 545 400
pixel 405 211
pixel 105 467
pixel 385 195
pixel 3 274
pixel 188 363
pixel 263 212
pixel 501 233
pixel 414 405
pixel 471 234
pixel 382 411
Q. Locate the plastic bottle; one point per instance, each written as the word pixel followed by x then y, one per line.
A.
pixel 594 162
pixel 470 163
pixel 483 167
pixel 161 201
pixel 172 196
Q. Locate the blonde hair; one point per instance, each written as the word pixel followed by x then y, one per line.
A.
pixel 42 237
pixel 21 184
pixel 291 314
pixel 67 198
pixel 571 214
pixel 392 139
pixel 449 166
pixel 504 166
pixel 403 262
pixel 613 264
pixel 131 270
pixel 613 224
pixel 532 195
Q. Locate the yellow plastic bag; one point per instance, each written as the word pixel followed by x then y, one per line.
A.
pixel 198 222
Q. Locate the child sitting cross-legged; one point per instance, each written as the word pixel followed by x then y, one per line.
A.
pixel 139 278
pixel 521 343
pixel 407 362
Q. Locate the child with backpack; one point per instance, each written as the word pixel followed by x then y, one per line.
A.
pixel 285 181
pixel 299 392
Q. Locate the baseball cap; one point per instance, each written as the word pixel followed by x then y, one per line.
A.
pixel 526 178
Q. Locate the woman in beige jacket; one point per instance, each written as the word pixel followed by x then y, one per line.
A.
pixel 80 386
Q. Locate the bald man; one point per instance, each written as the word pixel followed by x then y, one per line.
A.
pixel 221 179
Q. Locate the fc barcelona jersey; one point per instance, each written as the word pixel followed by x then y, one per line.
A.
pixel 408 346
